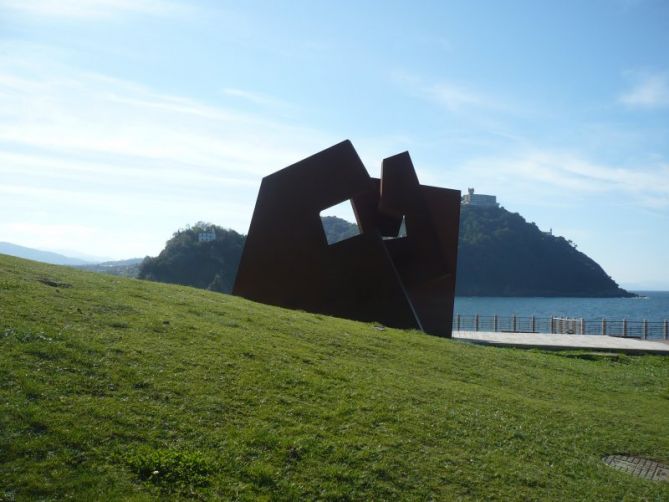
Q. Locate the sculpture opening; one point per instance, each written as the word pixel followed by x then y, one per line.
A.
pixel 336 234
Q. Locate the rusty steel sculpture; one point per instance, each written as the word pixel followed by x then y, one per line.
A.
pixel 378 275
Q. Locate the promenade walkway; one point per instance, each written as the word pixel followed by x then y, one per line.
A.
pixel 564 342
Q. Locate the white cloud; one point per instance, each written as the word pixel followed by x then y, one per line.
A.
pixel 86 9
pixel 650 91
pixel 257 98
pixel 566 175
pixel 87 114
pixel 452 96
pixel 52 236
pixel 134 163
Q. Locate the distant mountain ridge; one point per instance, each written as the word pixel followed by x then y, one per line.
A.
pixel 125 268
pixel 38 255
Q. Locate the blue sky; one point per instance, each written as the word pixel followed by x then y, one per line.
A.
pixel 124 120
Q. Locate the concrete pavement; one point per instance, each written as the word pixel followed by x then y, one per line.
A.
pixel 564 342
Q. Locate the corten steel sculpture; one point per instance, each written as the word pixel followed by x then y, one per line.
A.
pixel 403 282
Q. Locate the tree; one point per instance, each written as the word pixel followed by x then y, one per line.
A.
pixel 204 264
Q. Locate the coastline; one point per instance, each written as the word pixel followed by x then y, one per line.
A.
pixel 646 305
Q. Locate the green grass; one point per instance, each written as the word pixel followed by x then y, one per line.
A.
pixel 114 388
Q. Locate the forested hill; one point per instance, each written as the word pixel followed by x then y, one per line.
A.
pixel 500 254
pixel 337 229
pixel 203 264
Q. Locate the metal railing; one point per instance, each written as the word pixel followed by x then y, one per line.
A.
pixel 563 325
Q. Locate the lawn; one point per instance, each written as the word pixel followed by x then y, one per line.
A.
pixel 114 388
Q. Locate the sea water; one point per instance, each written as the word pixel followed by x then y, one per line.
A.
pixel 650 306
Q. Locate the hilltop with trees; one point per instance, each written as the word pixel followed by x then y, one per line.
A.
pixel 189 260
pixel 499 254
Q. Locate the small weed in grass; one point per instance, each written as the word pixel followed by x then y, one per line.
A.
pixel 172 470
pixel 261 474
pixel 7 285
pixel 25 336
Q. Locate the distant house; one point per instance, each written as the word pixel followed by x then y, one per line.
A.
pixel 478 199
pixel 207 236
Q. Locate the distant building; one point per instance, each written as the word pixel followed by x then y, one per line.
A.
pixel 478 199
pixel 207 236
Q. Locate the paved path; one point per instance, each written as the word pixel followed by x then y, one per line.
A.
pixel 563 342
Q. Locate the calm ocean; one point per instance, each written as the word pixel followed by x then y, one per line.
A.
pixel 651 306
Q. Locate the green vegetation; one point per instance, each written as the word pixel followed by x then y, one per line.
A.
pixel 114 388
pixel 208 264
pixel 500 254
pixel 337 229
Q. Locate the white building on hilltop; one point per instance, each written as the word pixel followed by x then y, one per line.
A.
pixel 478 199
pixel 208 236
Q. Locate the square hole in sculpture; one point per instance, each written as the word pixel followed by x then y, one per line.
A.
pixel 339 222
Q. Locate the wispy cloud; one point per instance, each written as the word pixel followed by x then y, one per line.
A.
pixel 257 98
pixel 566 175
pixel 94 150
pixel 88 114
pixel 452 96
pixel 649 91
pixel 87 9
pixel 52 236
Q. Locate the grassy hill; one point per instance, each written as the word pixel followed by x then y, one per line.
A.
pixel 117 388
